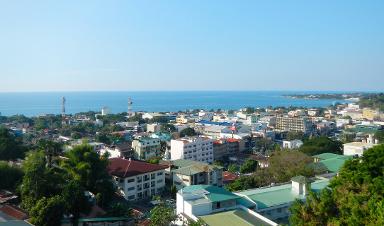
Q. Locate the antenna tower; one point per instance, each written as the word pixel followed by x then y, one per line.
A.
pixel 129 113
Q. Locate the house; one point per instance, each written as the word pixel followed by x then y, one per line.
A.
pixel 292 144
pixel 137 179
pixel 216 206
pixel 123 150
pixel 196 148
pixel 187 172
pixel 358 148
pixel 145 147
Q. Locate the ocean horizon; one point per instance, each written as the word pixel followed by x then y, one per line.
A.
pixel 40 103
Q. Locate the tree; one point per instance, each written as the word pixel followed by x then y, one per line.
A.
pixel 199 222
pixel 168 128
pixel 52 149
pixel 10 176
pixel 85 166
pixel 187 132
pixel 291 135
pixel 319 145
pixel 48 211
pixel 119 210
pixel 379 135
pixel 10 147
pixel 162 215
pixel 355 197
pixel 74 199
pixel 233 168
pixel 249 166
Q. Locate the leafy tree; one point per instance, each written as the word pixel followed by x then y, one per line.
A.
pixel 162 215
pixel 10 176
pixel 199 222
pixel 355 197
pixel 187 132
pixel 319 145
pixel 10 147
pixel 52 149
pixel 249 166
pixel 85 166
pixel 119 210
pixel 291 135
pixel 233 168
pixel 74 199
pixel 48 211
pixel 379 135
pixel 168 128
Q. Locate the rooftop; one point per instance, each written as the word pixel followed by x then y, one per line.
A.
pixel 127 168
pixel 213 193
pixel 359 144
pixel 189 167
pixel 235 217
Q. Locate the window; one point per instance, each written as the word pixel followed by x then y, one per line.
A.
pixel 159 173
pixel 159 181
pixel 130 188
pixel 131 180
pixel 140 195
pixel 131 197
pixel 152 183
pixel 153 176
pixel 139 179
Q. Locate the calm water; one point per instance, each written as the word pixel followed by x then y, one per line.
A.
pixel 32 104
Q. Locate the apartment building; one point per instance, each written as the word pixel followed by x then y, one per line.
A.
pixel 225 148
pixel 295 124
pixel 137 179
pixel 145 148
pixel 192 148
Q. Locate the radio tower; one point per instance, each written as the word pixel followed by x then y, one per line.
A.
pixel 63 109
pixel 129 113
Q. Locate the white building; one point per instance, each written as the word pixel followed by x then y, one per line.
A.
pixel 292 144
pixel 136 179
pixel 192 148
pixel 105 111
pixel 358 148
pixel 153 128
pixel 145 147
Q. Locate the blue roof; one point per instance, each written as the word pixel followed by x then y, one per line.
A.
pixel 215 123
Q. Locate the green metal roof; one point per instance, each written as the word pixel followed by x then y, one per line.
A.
pixel 333 162
pixel 215 194
pixel 279 195
pixel 189 167
pixel 234 217
pixel 325 156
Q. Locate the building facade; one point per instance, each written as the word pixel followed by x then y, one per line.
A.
pixel 192 148
pixel 294 124
pixel 145 147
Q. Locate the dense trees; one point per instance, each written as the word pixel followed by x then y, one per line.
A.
pixel 375 101
pixel 10 176
pixel 187 132
pixel 283 165
pixel 248 166
pixel 168 128
pixel 319 145
pixel 48 211
pixel 379 135
pixel 11 147
pixel 162 215
pixel 355 197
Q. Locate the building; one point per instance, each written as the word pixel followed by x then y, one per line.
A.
pixel 187 172
pixel 358 148
pixel 153 128
pixel 145 148
pixel 330 161
pixel 371 114
pixel 123 150
pixel 292 144
pixel 137 179
pixel 192 148
pixel 274 202
pixel 295 124
pixel 216 207
pixel 225 148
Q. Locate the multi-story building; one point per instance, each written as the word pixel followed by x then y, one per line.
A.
pixel 137 179
pixel 225 148
pixel 192 148
pixel 292 144
pixel 295 124
pixel 187 172
pixel 145 147
pixel 358 148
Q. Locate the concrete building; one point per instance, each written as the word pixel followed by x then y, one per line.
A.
pixel 358 148
pixel 216 207
pixel 187 172
pixel 145 147
pixel 136 179
pixel 192 148
pixel 153 128
pixel 292 144
pixel 225 148
pixel 123 150
pixel 295 124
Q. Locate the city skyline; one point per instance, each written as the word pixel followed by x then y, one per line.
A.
pixel 217 45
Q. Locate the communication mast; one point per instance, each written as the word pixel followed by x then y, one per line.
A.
pixel 129 113
pixel 63 100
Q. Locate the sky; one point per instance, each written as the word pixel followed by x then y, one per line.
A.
pixel 191 45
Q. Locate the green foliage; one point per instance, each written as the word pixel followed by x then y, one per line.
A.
pixel 187 132
pixel 119 210
pixel 291 135
pixel 199 222
pixel 319 145
pixel 10 147
pixel 74 199
pixel 249 110
pixel 154 160
pixel 10 176
pixel 355 196
pixel 173 191
pixel 379 135
pixel 162 215
pixel 85 166
pixel 283 165
pixel 375 101
pixel 159 119
pixel 233 168
pixel 249 166
pixel 48 211
pixel 168 128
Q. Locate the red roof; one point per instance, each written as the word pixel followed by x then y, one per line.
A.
pixel 228 176
pixel 14 212
pixel 233 140
pixel 127 168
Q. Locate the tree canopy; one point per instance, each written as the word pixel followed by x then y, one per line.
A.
pixel 10 146
pixel 187 132
pixel 319 145
pixel 10 176
pixel 162 215
pixel 355 197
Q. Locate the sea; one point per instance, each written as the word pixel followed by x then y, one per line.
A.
pixel 41 103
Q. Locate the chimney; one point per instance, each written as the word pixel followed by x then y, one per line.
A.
pixel 300 185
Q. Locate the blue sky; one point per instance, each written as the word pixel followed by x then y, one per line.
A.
pixel 191 45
